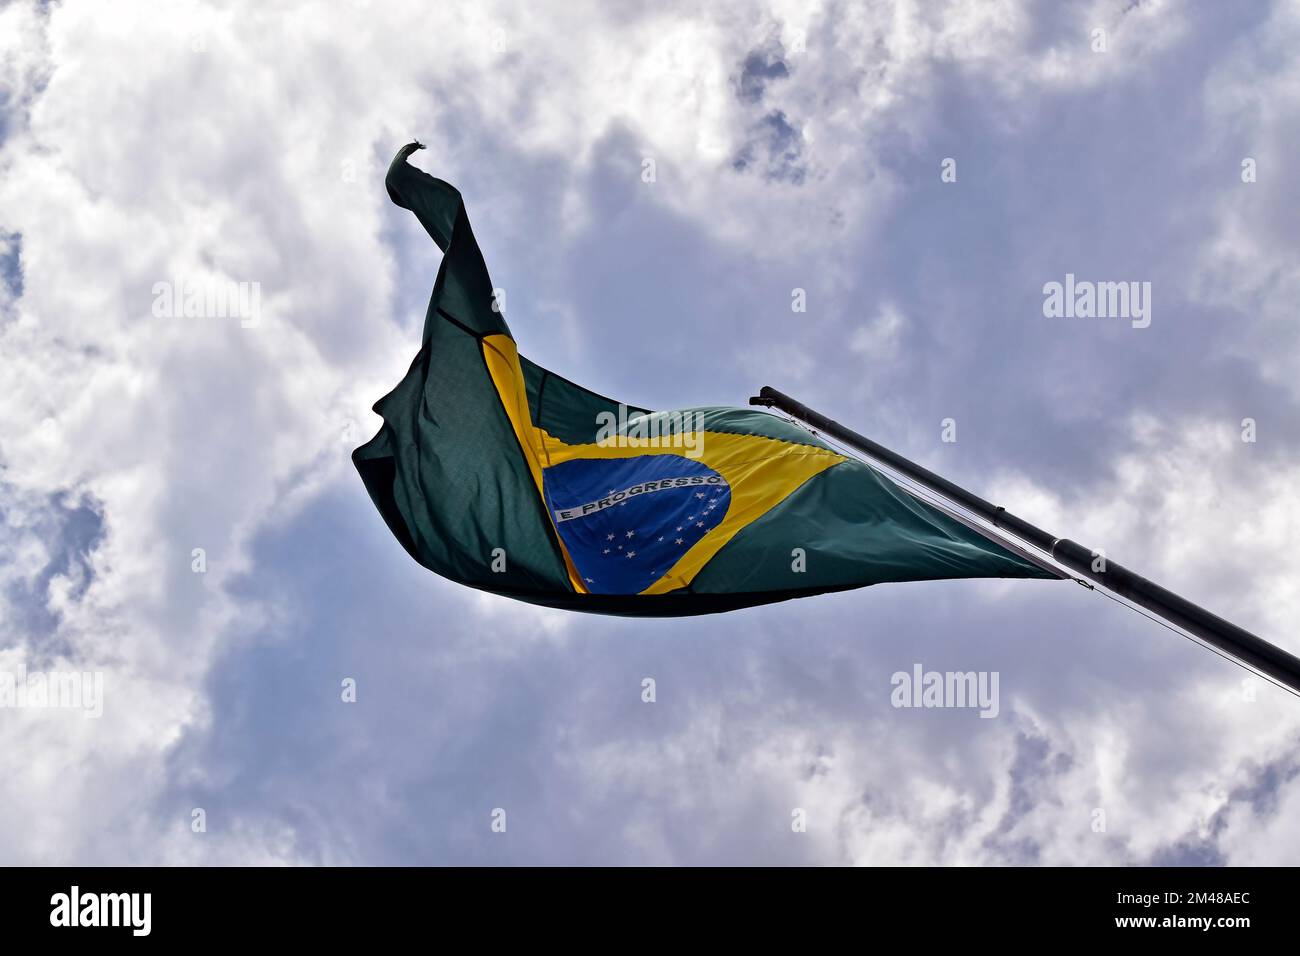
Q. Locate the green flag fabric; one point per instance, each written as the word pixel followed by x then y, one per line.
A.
pixel 501 475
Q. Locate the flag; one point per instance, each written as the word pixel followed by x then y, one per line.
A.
pixel 504 476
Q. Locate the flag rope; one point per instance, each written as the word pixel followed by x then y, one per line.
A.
pixel 1123 602
pixel 951 509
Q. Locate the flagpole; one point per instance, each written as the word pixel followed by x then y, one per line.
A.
pixel 1227 637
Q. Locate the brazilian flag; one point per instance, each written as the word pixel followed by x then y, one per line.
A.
pixel 501 475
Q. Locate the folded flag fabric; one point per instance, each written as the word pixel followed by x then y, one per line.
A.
pixel 504 476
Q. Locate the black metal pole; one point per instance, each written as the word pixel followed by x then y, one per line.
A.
pixel 1214 630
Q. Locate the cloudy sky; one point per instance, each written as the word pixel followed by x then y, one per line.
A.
pixel 795 146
